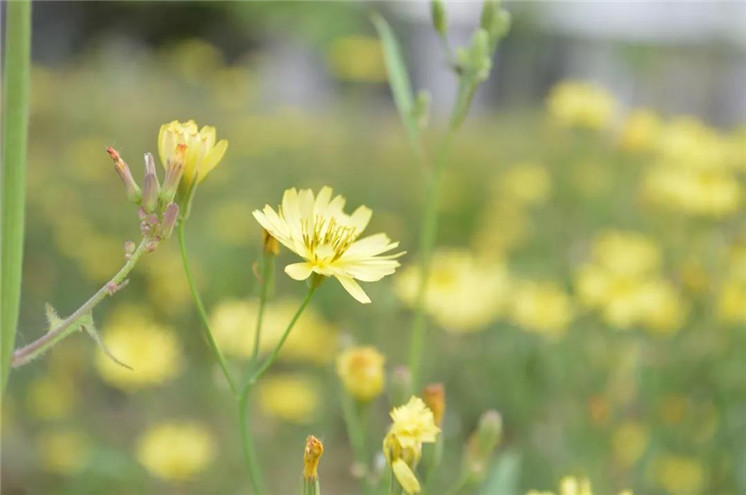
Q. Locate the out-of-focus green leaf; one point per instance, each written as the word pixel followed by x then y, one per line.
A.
pixel 503 476
pixel 398 77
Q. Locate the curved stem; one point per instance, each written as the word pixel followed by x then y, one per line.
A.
pixel 41 345
pixel 243 402
pixel 202 313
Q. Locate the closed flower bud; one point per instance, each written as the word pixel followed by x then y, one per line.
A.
pixel 361 372
pixel 489 9
pixel 311 457
pixel 134 193
pixel 400 386
pixel 482 443
pixel 434 396
pixel 440 21
pixel 174 171
pixel 150 188
pixel 170 217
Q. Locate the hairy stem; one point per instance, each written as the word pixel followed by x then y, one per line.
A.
pixel 206 332
pixel 41 345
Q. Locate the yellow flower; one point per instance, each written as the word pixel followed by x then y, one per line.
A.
pixel 679 474
pixel 289 397
pixel 151 350
pixel 541 307
pixel 629 253
pixel 63 451
pixel 581 104
pixel 640 130
pixel 414 424
pixel 628 442
pixel 405 476
pixel 528 184
pixel 731 307
pixel 361 372
pixel 573 486
pixel 311 457
pixel 464 294
pixel 175 451
pixel 318 230
pixel 234 326
pixel 51 397
pixel 202 152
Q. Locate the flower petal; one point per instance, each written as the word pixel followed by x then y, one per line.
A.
pixel 299 271
pixel 212 158
pixel 353 288
pixel 405 476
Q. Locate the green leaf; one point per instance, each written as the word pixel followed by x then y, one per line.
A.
pixel 502 478
pixel 398 77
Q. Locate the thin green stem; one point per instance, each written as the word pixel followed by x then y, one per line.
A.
pixel 41 345
pixel 268 265
pixel 243 403
pixel 353 416
pixel 13 173
pixel 202 313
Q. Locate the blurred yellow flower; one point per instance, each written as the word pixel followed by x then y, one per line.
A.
pixel 527 183
pixel 294 398
pixel 730 306
pixel 357 58
pixel 573 486
pixel 464 293
pixel 202 152
pixel 581 104
pixel 679 474
pixel 234 327
pixel 151 350
pixel 320 232
pixel 628 442
pixel 541 307
pixel 414 424
pixel 626 253
pixel 688 143
pixel 63 451
pixel 176 451
pixel 361 371
pixel 51 397
pixel 505 225
pixel 640 131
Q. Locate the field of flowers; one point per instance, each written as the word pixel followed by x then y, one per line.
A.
pixel 584 313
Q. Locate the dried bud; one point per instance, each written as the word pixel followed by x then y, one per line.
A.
pixel 133 190
pixel 482 443
pixel 311 457
pixel 270 244
pixel 434 396
pixel 174 171
pixel 400 388
pixel 170 217
pixel 440 20
pixel 150 188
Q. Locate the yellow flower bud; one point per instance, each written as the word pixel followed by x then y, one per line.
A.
pixel 361 372
pixel 405 476
pixel 311 457
pixel 434 396
pixel 202 152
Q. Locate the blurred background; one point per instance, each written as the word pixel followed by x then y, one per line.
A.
pixel 591 270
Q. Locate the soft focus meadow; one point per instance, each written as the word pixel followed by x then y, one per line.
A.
pixel 588 281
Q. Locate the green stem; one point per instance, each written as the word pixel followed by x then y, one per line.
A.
pixel 243 403
pixel 352 413
pixel 41 345
pixel 430 230
pixel 202 313
pixel 13 174
pixel 268 265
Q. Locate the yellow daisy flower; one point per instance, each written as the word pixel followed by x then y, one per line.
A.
pixel 319 231
pixel 202 152
pixel 414 424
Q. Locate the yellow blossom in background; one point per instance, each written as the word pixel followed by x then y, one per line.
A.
pixel 234 326
pixel 319 231
pixel 194 59
pixel 165 279
pixel 628 253
pixel 293 398
pixel 150 349
pixel 731 306
pixel 640 130
pixel 628 442
pixel 505 225
pixel 361 371
pixel 541 307
pixel 63 451
pixel 528 184
pixel 573 486
pixel 202 153
pixel 464 293
pixel 679 474
pixel 357 58
pixel 51 397
pixel 413 424
pixel 176 451
pixel 581 104
pixel 688 143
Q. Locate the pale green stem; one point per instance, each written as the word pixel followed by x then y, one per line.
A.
pixel 353 416
pixel 268 265
pixel 13 173
pixel 430 230
pixel 243 404
pixel 202 313
pixel 41 345
pixel 461 483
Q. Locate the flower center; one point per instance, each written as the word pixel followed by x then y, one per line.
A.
pixel 327 238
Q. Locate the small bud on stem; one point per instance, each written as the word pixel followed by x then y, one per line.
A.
pixel 151 188
pixel 170 217
pixel 434 396
pixel 174 171
pixel 123 170
pixel 311 457
pixel 440 21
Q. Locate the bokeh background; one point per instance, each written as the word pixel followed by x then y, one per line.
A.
pixel 590 281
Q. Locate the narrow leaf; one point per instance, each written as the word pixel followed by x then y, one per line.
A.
pixel 52 317
pixel 503 476
pixel 86 323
